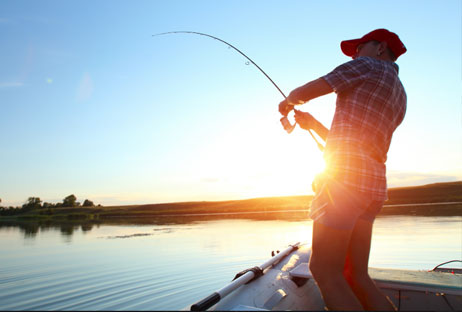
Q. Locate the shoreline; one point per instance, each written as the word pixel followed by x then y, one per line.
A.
pixel 418 209
pixel 438 199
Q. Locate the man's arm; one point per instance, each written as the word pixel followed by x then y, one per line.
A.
pixel 321 130
pixel 307 122
pixel 309 91
pixel 305 93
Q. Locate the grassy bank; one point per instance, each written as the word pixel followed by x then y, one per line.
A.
pixel 432 193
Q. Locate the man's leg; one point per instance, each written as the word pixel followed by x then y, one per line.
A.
pixel 329 249
pixel 356 269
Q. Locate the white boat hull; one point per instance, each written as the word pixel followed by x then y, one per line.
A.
pixel 288 285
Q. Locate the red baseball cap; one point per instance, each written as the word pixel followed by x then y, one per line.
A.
pixel 394 43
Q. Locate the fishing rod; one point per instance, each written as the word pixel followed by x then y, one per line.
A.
pixel 284 120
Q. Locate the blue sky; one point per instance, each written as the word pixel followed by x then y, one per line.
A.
pixel 93 105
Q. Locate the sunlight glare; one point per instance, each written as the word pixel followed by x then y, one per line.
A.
pixel 263 162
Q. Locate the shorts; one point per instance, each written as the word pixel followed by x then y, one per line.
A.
pixel 338 206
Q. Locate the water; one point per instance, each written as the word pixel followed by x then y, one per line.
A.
pixel 167 265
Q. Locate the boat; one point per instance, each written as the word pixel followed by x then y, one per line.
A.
pixel 284 282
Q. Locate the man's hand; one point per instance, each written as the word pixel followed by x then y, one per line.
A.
pixel 288 104
pixel 285 107
pixel 304 120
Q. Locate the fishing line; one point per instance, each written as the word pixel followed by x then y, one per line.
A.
pixel 320 146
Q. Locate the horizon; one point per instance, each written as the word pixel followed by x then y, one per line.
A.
pixel 94 106
pixel 239 199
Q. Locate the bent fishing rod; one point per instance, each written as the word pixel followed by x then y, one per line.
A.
pixel 284 120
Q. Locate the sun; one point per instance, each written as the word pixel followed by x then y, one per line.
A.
pixel 263 162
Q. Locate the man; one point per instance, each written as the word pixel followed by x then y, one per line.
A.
pixel 371 103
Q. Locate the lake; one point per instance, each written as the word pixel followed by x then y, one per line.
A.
pixel 167 264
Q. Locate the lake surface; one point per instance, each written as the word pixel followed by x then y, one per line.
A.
pixel 167 265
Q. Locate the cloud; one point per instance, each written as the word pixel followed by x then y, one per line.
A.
pixel 57 54
pixel 210 180
pixel 85 88
pixel 36 19
pixel 117 199
pixel 11 84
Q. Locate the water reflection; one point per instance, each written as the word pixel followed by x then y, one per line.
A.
pixel 67 228
pixel 30 229
pixel 167 263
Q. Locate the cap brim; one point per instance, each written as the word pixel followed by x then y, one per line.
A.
pixel 349 46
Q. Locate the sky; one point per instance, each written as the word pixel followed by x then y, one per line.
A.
pixel 93 105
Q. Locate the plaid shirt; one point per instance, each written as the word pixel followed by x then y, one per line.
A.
pixel 371 103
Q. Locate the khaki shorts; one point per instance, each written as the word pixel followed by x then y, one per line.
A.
pixel 338 206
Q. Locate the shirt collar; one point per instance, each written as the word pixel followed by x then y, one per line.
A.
pixel 395 66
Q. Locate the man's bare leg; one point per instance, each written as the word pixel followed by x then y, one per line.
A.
pixel 329 249
pixel 356 270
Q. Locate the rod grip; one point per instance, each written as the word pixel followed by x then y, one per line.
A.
pixel 206 303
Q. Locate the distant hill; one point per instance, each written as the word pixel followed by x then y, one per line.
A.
pixel 446 192
pixel 431 193
pixel 398 204
pixel 232 206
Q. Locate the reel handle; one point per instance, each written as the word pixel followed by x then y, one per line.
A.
pixel 287 125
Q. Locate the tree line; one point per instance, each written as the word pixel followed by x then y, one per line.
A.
pixel 34 203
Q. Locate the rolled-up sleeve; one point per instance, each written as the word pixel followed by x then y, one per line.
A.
pixel 349 75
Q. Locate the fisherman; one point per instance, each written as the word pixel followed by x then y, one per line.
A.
pixel 371 103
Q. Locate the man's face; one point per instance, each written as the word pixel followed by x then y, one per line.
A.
pixel 366 49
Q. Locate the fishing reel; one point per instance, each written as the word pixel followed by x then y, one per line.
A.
pixel 290 127
pixel 286 123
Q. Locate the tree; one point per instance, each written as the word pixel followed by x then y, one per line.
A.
pixel 47 205
pixel 88 203
pixel 32 203
pixel 70 201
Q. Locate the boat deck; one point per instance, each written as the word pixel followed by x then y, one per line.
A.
pixel 420 290
pixel 411 290
pixel 430 281
pixel 289 285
